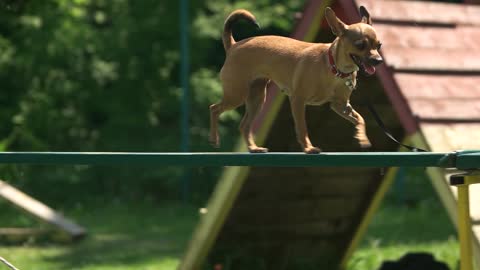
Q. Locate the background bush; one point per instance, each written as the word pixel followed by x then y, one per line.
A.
pixel 84 75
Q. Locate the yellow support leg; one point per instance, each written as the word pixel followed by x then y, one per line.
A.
pixel 464 228
pixel 464 220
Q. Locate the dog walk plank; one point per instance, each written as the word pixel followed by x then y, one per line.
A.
pixel 39 210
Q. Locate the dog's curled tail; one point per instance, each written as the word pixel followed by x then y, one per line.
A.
pixel 227 37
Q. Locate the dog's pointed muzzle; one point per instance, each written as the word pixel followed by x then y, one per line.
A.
pixel 375 61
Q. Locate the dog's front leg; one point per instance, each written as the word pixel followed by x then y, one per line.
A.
pixel 346 111
pixel 298 112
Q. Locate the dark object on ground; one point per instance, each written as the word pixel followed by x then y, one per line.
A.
pixel 415 261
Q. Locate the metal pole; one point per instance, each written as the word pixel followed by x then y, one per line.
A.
pixel 465 235
pixel 184 81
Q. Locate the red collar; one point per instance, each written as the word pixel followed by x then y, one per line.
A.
pixel 333 68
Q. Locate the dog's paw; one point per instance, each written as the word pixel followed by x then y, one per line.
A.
pixel 256 149
pixel 363 140
pixel 214 142
pixel 365 144
pixel 347 110
pixel 312 150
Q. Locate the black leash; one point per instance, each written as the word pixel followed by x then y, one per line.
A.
pixel 380 123
pixel 385 129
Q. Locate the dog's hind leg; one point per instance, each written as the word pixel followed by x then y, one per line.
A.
pixel 215 111
pixel 232 98
pixel 254 103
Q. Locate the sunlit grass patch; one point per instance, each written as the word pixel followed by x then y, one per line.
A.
pixel 121 236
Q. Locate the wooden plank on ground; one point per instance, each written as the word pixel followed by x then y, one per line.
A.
pixel 39 210
pixel 19 235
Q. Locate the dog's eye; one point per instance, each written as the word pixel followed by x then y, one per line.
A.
pixel 379 46
pixel 360 44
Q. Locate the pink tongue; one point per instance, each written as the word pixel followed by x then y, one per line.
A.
pixel 369 69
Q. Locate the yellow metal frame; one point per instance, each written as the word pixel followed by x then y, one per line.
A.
pixel 464 220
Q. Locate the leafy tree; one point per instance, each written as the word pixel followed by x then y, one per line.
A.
pixel 84 75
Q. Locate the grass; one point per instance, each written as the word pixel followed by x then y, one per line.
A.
pixel 153 235
pixel 122 236
pixel 417 222
pixel 397 231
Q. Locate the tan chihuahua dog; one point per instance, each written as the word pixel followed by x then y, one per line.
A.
pixel 309 73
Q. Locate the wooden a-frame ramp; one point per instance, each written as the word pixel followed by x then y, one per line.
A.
pixel 315 217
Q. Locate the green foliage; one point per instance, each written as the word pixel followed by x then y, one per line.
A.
pixel 103 75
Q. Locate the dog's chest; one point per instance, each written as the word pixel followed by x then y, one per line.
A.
pixel 340 89
pixel 321 96
pixel 351 83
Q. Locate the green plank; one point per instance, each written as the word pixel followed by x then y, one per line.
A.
pixel 333 159
pixel 468 160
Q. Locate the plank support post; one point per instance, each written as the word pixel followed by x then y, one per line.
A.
pixel 462 182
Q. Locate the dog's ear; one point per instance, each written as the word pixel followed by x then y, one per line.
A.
pixel 338 27
pixel 365 15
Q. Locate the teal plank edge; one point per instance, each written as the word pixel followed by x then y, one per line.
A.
pixel 331 159
pixel 467 160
